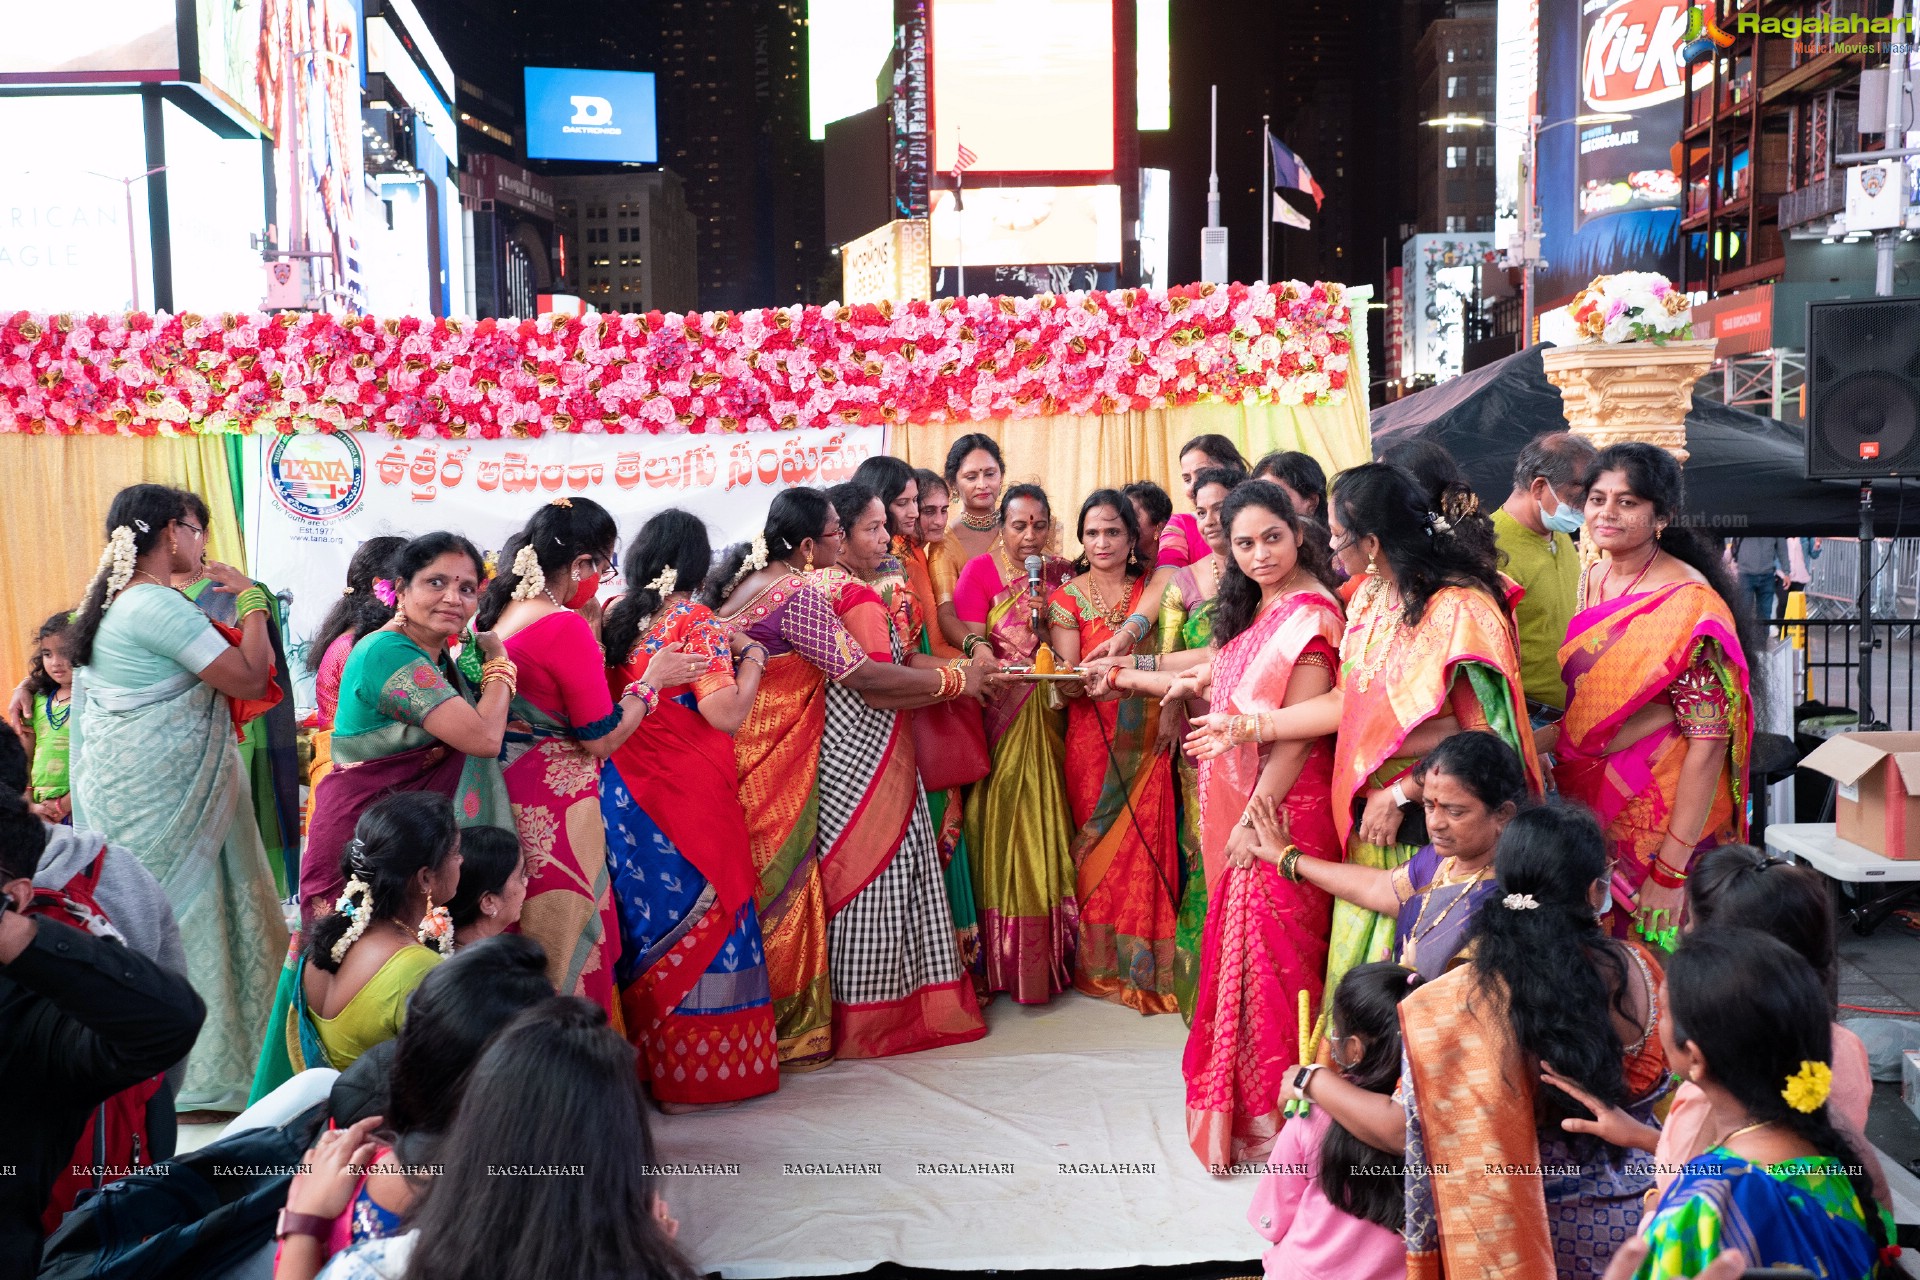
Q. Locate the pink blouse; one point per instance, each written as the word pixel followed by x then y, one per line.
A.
pixel 1312 1240
pixel 1181 543
pixel 326 680
pixel 563 672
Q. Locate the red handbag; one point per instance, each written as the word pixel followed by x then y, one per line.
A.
pixel 950 744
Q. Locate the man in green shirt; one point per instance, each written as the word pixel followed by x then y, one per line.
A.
pixel 1535 528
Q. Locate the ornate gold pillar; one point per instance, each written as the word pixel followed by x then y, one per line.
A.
pixel 1615 392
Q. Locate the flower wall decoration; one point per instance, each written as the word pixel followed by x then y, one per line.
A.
pixel 952 360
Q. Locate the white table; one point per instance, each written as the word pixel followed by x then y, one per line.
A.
pixel 1843 862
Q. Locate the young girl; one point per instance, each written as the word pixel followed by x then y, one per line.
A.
pixel 1752 1029
pixel 50 678
pixel 1331 1204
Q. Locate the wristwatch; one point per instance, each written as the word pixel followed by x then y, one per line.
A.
pixel 290 1223
pixel 1300 1078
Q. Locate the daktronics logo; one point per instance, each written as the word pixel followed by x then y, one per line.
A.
pixel 590 115
pixel 1633 55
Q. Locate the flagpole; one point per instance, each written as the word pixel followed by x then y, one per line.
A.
pixel 960 219
pixel 1266 197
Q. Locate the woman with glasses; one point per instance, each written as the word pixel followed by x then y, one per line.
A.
pixel 158 690
pixel 550 572
pixel 768 590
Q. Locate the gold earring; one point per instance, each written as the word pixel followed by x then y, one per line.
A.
pixel 809 565
pixel 173 544
pixel 1371 567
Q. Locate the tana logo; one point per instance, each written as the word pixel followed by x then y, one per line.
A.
pixel 1700 25
pixel 316 477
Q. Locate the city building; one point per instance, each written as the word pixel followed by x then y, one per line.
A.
pixel 1454 165
pixel 628 241
pixel 510 236
pixel 733 124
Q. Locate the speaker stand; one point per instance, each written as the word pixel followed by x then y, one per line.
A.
pixel 1867 641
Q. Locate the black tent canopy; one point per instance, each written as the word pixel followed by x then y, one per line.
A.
pixel 1746 475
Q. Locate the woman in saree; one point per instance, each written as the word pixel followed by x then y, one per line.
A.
pixel 1018 818
pixel 898 986
pixel 363 608
pixel 1472 785
pixel 408 719
pixel 159 691
pixel 1659 716
pixel 906 589
pixel 1119 788
pixel 1277 622
pixel 692 968
pixel 1186 625
pixel 1750 1027
pixel 564 725
pixel 1496 1186
pixel 975 474
pixel 1429 650
pixel 767 590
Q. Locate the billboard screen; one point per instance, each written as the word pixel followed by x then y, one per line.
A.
pixel 1609 196
pixel 1153 49
pixel 1027 85
pixel 63 228
pixel 847 46
pixel 214 200
pixel 590 115
pixel 1021 226
pixel 119 40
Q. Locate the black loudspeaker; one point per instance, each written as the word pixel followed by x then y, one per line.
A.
pixel 1863 388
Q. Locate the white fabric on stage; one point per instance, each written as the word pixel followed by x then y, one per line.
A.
pixel 1079 1082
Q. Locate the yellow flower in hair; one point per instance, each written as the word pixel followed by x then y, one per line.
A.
pixel 1808 1087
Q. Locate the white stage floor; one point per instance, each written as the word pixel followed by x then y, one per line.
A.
pixel 1057 1142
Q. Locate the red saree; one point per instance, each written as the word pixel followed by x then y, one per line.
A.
pixel 1126 851
pixel 1675 643
pixel 1266 937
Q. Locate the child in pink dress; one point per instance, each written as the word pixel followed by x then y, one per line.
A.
pixel 1332 1205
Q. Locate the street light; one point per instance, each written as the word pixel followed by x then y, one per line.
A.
pixel 133 259
pixel 1530 213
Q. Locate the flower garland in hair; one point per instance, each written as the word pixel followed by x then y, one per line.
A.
pixel 437 930
pixel 755 561
pixel 116 561
pixel 526 567
pixel 356 905
pixel 664 584
pixel 1519 902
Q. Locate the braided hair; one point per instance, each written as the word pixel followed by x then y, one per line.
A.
pixel 675 540
pixel 144 511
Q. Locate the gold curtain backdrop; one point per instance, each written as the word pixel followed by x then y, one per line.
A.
pixel 58 489
pixel 1070 457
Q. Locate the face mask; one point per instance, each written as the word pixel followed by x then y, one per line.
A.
pixel 589 588
pixel 1563 518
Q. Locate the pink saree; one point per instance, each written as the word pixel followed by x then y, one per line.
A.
pixel 1266 937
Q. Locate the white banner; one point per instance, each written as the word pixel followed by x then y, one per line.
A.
pixel 316 498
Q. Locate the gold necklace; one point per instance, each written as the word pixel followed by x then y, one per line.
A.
pixel 1367 661
pixel 1420 926
pixel 980 524
pixel 1745 1128
pixel 1114 615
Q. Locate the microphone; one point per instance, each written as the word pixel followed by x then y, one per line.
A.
pixel 1034 564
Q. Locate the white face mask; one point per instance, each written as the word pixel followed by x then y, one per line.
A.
pixel 1563 518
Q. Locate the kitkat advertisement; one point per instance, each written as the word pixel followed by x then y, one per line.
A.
pixel 1608 192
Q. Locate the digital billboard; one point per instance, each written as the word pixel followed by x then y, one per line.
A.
pixel 1608 191
pixel 1153 53
pixel 63 228
pixel 119 40
pixel 590 115
pixel 1022 226
pixel 214 202
pixel 1027 85
pixel 847 45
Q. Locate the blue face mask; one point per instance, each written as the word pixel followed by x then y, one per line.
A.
pixel 1563 518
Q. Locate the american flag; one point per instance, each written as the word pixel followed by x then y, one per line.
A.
pixel 963 160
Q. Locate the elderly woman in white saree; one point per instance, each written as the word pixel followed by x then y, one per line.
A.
pixel 159 690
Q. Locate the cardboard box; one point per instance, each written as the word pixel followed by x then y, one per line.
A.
pixel 1910 1080
pixel 1877 789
